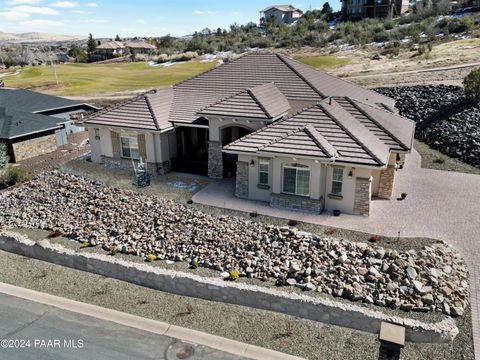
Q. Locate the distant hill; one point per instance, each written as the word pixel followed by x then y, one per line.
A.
pixel 37 37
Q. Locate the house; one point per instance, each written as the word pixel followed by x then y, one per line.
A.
pixel 360 9
pixel 291 135
pixel 139 47
pixel 32 124
pixel 108 50
pixel 281 14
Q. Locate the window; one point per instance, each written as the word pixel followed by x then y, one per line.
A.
pixel 129 145
pixel 337 181
pixel 296 179
pixel 263 172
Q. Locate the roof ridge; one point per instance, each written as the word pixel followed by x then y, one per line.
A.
pixel 394 137
pixel 278 138
pixel 357 140
pixel 150 108
pixel 321 141
pixel 250 92
pixel 7 123
pixel 282 58
pixel 221 100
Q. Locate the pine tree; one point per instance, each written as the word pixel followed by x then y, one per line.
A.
pixel 471 84
pixel 91 45
pixel 117 38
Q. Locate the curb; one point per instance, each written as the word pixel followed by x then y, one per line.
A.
pixel 152 326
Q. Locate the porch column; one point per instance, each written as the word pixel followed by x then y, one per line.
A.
pixel 387 178
pixel 241 185
pixel 215 159
pixel 361 204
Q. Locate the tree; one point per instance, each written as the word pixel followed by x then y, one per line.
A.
pixel 78 53
pixel 327 11
pixel 117 38
pixel 471 84
pixel 3 156
pixel 91 45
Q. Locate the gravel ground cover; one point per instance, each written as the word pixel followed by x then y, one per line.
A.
pixel 434 278
pixel 445 119
pixel 434 159
pixel 267 329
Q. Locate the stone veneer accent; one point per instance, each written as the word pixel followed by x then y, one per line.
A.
pixel 361 204
pixel 34 147
pixel 215 160
pixel 241 186
pixel 320 309
pixel 284 201
pixel 126 164
pixel 387 179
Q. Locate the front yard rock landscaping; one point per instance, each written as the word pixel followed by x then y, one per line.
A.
pixel 432 279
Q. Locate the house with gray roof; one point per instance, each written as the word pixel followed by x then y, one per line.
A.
pixel 32 123
pixel 291 135
pixel 280 14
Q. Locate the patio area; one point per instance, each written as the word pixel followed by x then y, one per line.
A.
pixel 440 205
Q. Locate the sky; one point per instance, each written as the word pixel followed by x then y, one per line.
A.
pixel 107 18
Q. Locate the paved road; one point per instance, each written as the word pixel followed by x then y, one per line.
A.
pixel 440 205
pixel 48 328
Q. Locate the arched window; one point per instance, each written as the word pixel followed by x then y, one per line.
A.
pixel 296 179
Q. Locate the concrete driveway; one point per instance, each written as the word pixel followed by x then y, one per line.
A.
pixel 441 205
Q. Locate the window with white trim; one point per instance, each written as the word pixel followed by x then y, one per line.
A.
pixel 263 172
pixel 129 146
pixel 296 179
pixel 337 181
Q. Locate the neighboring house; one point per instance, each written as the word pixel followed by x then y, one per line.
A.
pixel 292 135
pixel 282 14
pixel 32 124
pixel 112 49
pixel 359 9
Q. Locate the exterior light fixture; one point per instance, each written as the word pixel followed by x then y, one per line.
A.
pixel 252 163
pixel 350 173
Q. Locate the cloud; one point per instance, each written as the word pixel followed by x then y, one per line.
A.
pixel 93 21
pixel 92 5
pixel 209 12
pixel 140 21
pixel 65 4
pixel 27 9
pixel 15 2
pixel 41 24
pixel 80 12
pixel 236 13
pixel 198 12
pixel 14 15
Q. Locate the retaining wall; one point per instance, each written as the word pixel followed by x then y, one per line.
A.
pixel 180 283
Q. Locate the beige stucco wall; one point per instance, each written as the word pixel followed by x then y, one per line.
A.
pixel 34 147
pixel 215 126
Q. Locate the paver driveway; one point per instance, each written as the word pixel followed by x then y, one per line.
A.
pixel 441 205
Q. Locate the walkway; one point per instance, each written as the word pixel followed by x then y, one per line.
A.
pixel 441 205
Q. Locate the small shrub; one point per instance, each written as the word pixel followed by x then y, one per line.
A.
pixel 84 245
pixel 281 281
pixel 292 223
pixel 114 251
pixel 150 258
pixel 234 275
pixel 403 195
pixel 439 159
pixel 190 202
pixel 254 214
pixel 54 234
pixel 471 83
pixel 189 309
pixel 194 264
pixel 373 238
pixel 13 175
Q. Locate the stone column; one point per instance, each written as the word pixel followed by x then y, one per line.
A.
pixel 387 178
pixel 361 205
pixel 241 186
pixel 215 160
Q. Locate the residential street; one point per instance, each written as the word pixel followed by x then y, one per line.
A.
pixel 49 333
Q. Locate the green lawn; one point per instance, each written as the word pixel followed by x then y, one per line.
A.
pixel 91 79
pixel 322 62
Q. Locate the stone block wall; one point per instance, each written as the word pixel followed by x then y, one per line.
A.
pixel 34 147
pixel 386 182
pixel 241 186
pixel 215 160
pixel 293 202
pixel 214 289
pixel 127 164
pixel 361 204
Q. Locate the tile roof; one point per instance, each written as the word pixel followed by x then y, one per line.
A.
pixel 282 8
pixel 148 111
pixel 263 102
pixel 331 130
pixel 111 45
pixel 15 123
pixel 139 45
pixel 225 87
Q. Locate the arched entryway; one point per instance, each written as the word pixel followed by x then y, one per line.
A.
pixel 228 135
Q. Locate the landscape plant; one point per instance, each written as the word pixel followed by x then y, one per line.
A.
pixel 471 84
